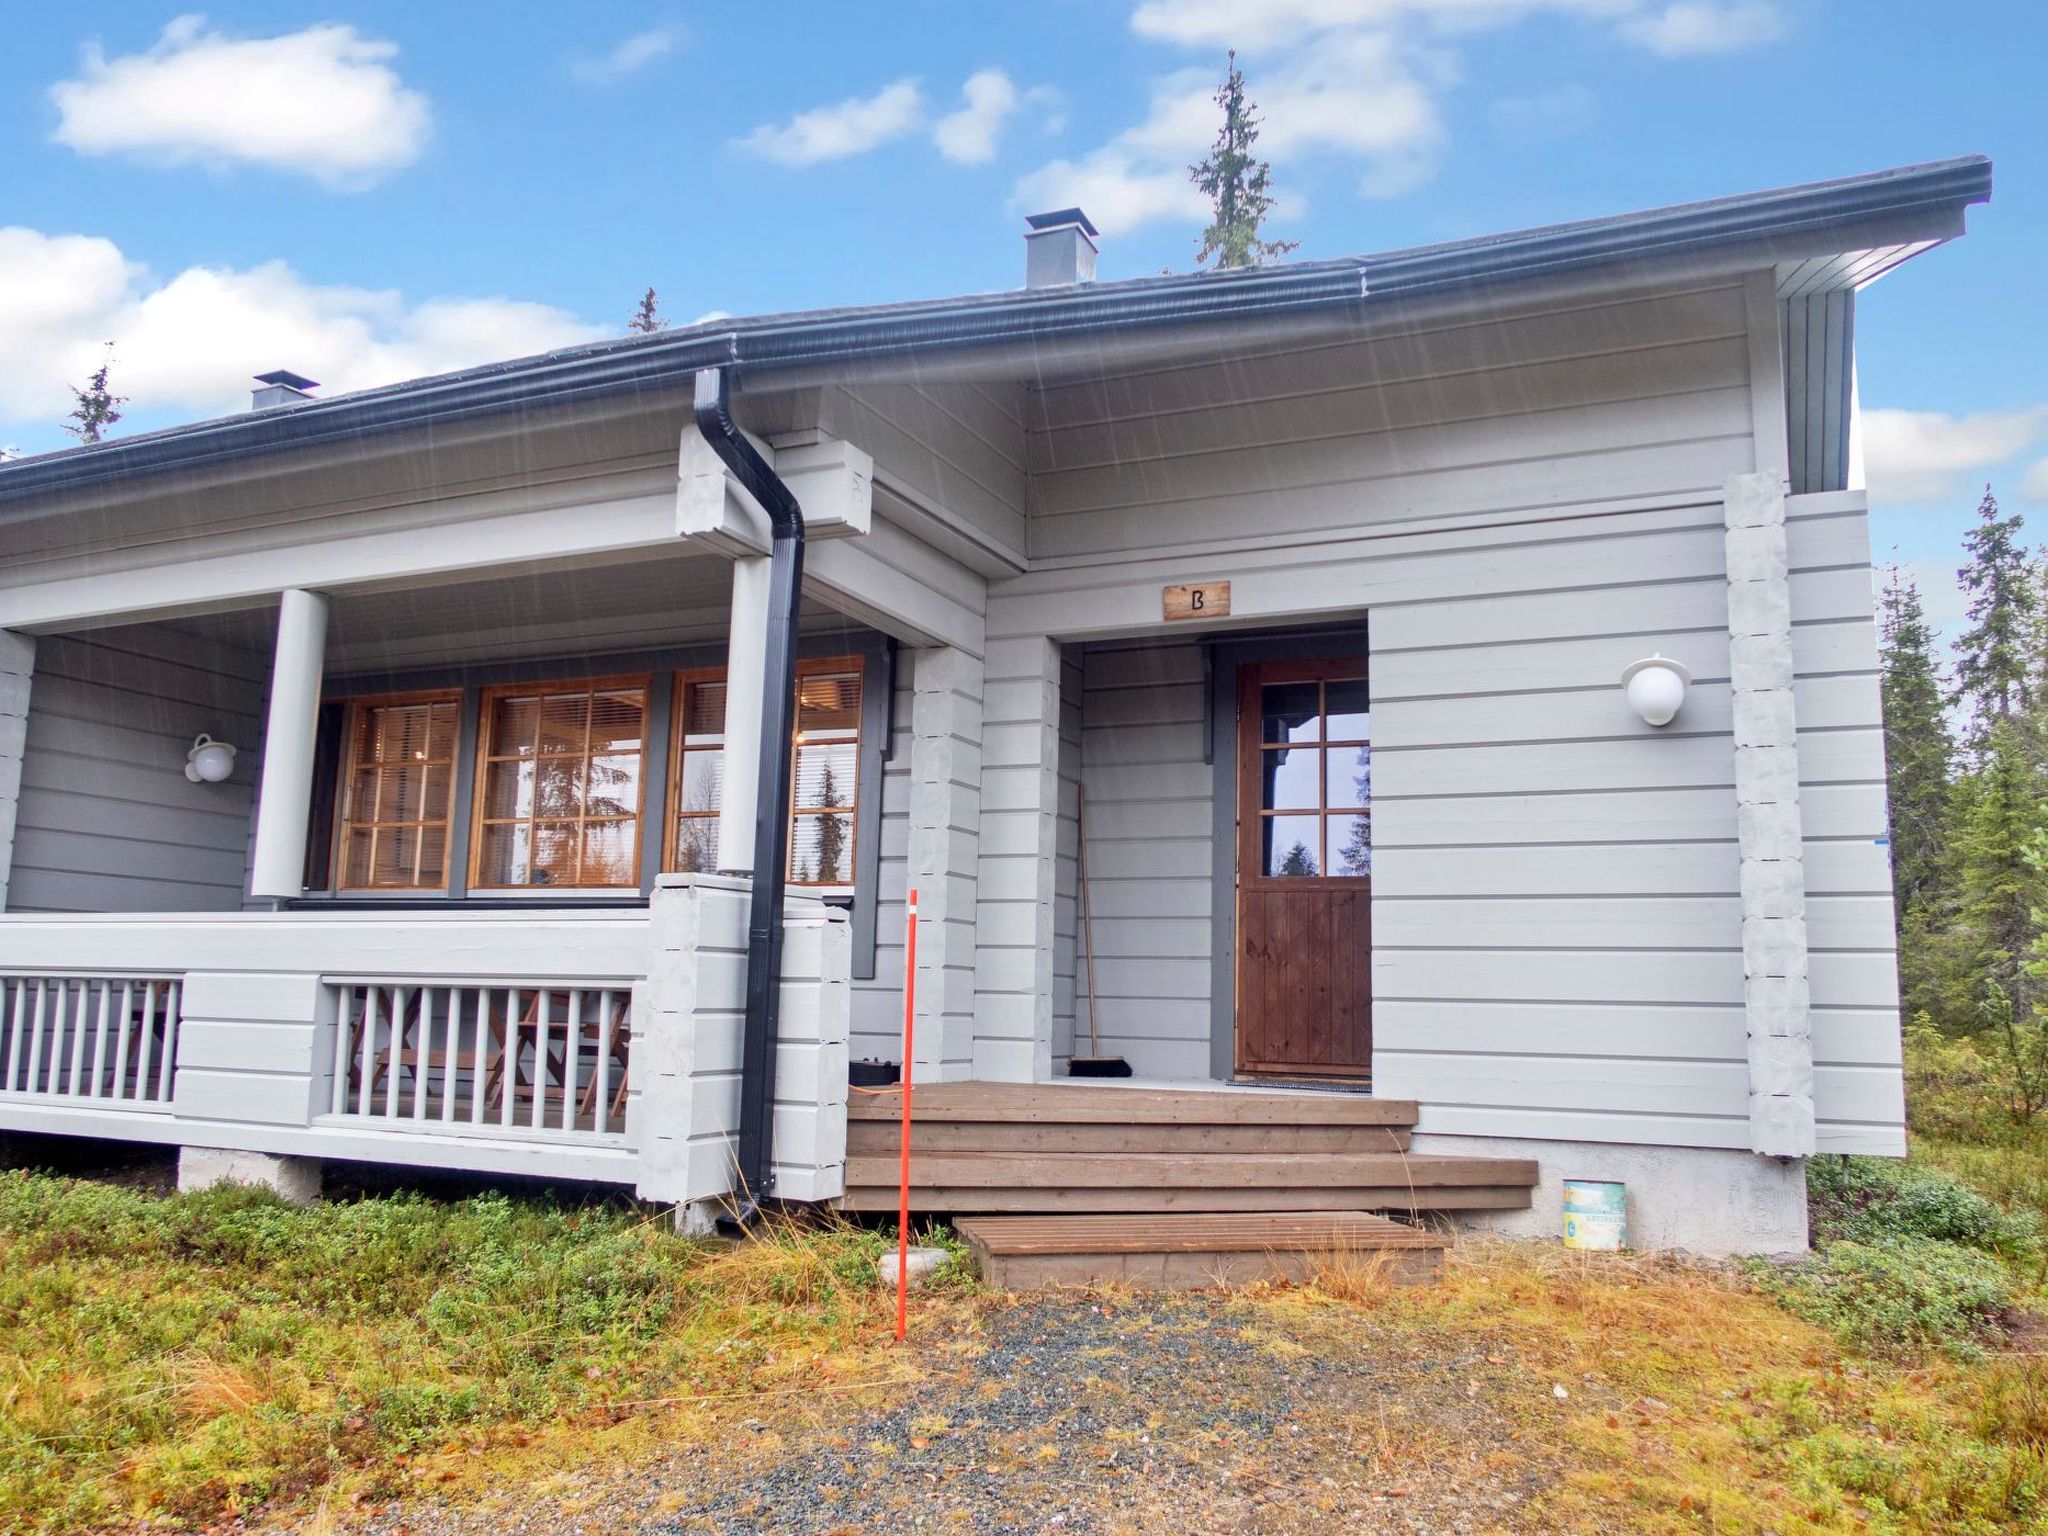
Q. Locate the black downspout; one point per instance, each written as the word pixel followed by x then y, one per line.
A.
pixel 771 807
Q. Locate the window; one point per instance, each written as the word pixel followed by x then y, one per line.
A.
pixel 1315 779
pixel 559 784
pixel 824 785
pixel 397 786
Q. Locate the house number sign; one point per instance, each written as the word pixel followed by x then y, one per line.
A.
pixel 1198 600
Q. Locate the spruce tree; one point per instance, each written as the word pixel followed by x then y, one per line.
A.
pixel 1995 655
pixel 1917 745
pixel 1299 862
pixel 1236 185
pixel 98 407
pixel 647 317
pixel 2000 887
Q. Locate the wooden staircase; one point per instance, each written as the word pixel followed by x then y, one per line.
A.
pixel 1119 1182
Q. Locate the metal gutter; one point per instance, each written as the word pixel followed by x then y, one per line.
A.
pixel 712 409
pixel 1938 192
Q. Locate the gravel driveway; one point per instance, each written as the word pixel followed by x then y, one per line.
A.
pixel 1068 1413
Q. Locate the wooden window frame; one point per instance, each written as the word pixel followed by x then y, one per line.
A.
pixel 486 700
pixel 808 666
pixel 1252 812
pixel 346 765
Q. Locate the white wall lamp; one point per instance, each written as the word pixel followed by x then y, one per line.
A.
pixel 1655 687
pixel 209 761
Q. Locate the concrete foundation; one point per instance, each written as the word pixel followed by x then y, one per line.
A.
pixel 1704 1200
pixel 297 1179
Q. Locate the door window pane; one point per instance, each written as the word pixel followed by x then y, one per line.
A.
pixel 1347 707
pixel 1291 779
pixel 1349 781
pixel 1290 712
pixel 1351 845
pixel 1293 846
pixel 397 779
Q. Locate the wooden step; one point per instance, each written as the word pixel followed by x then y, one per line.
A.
pixel 1183 1252
pixel 879 1138
pixel 1105 1104
pixel 1184 1170
pixel 930 1199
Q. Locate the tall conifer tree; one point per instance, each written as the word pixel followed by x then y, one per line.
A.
pixel 1995 656
pixel 1236 185
pixel 1917 745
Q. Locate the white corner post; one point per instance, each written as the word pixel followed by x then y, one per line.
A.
pixel 746 665
pixel 1018 861
pixel 945 842
pixel 1776 992
pixel 17 672
pixel 285 801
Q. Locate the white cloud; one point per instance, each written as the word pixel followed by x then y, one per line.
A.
pixel 1703 26
pixel 846 128
pixel 1543 115
pixel 192 342
pixel 1253 24
pixel 1117 190
pixel 627 57
pixel 323 102
pixel 968 136
pixel 2034 483
pixel 1930 455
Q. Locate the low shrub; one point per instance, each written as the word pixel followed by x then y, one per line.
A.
pixel 1874 1200
pixel 1898 1294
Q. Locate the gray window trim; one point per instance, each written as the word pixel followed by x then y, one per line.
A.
pixel 1220 729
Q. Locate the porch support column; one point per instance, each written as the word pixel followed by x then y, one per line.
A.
pixel 1776 994
pixel 746 662
pixel 1017 862
pixel 17 672
pixel 945 842
pixel 285 801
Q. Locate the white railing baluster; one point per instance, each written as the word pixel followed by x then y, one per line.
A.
pixel 122 1082
pixel 143 1079
pixel 337 1094
pixel 543 1005
pixel 105 989
pixel 422 1048
pixel 572 1052
pixel 601 1069
pixel 19 989
pixel 508 1074
pixel 35 1041
pixel 167 1058
pixel 364 1100
pixel 394 1038
pixel 479 1061
pixel 451 1053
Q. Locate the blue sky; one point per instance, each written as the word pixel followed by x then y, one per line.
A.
pixel 366 191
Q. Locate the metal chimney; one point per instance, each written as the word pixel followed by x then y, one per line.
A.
pixel 282 387
pixel 1059 250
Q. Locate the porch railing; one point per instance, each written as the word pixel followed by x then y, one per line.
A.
pixel 470 1055
pixel 89 1039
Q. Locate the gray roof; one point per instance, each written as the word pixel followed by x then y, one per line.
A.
pixel 1796 223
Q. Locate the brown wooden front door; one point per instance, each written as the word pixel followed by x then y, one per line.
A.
pixel 1304 869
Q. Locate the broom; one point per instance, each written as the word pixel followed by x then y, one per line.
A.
pixel 1095 1064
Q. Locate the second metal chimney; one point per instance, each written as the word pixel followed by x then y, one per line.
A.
pixel 1059 250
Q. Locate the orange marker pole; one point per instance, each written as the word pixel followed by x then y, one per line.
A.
pixel 903 1182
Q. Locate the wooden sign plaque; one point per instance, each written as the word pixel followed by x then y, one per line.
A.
pixel 1198 600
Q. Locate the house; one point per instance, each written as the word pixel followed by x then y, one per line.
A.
pixel 1306 592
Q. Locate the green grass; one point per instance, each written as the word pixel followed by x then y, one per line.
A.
pixel 187 1356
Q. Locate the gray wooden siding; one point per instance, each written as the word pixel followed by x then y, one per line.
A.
pixel 1853 965
pixel 1151 855
pixel 1068 1018
pixel 953 457
pixel 1639 395
pixel 108 820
